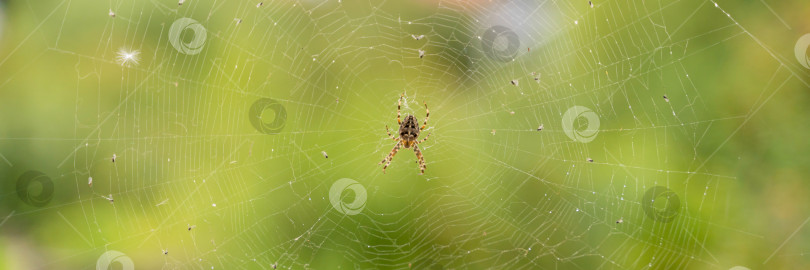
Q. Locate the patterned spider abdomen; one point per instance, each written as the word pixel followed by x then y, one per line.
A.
pixel 409 131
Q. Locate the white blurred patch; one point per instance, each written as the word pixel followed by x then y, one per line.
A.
pixel 532 21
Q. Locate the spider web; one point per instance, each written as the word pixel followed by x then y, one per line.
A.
pixel 506 186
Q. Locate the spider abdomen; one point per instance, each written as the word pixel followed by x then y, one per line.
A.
pixel 409 131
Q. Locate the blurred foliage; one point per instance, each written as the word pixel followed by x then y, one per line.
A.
pixel 730 140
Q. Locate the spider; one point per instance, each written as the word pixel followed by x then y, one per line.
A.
pixel 408 133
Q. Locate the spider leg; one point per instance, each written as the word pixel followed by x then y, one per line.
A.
pixel 420 158
pixel 398 107
pixel 387 160
pixel 427 115
pixel 424 139
pixel 389 133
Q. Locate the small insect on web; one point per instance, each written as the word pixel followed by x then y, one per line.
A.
pixel 109 198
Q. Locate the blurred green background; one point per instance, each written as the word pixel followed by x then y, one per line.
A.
pixel 195 185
